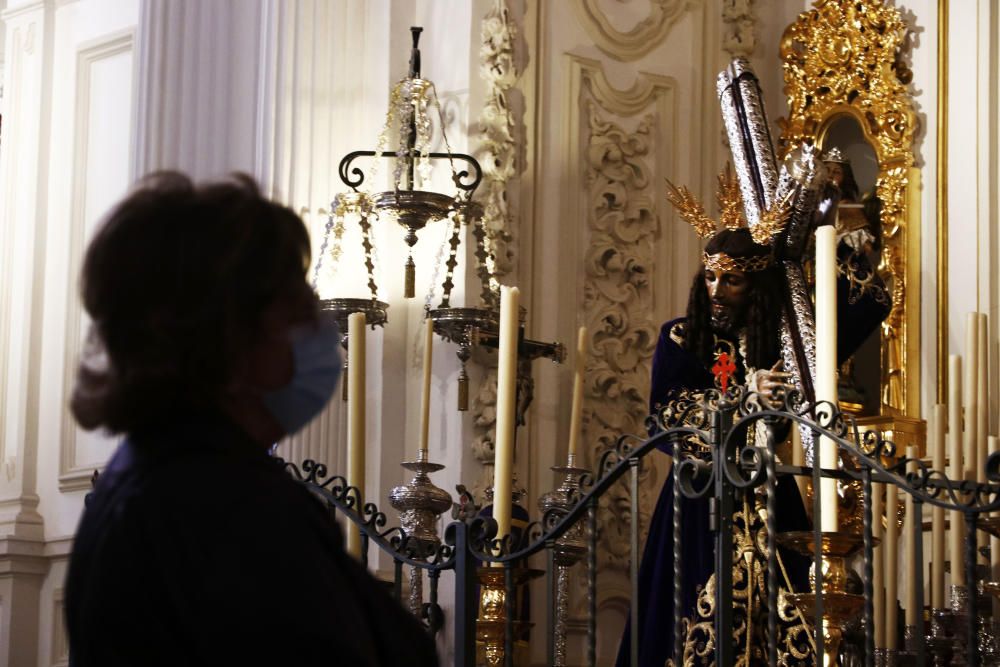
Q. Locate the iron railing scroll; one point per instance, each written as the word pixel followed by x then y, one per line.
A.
pixel 713 460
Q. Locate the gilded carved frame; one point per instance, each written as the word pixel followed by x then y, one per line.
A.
pixel 844 58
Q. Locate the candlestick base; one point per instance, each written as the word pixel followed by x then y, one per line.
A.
pixel 908 656
pixel 940 643
pixel 989 650
pixel 890 657
pixel 839 606
pixel 959 599
pixel 491 626
pixel 835 544
pixel 556 504
pixel 568 549
pixel 420 503
pixel 839 609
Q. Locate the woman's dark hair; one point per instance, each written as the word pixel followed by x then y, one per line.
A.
pixel 763 314
pixel 176 281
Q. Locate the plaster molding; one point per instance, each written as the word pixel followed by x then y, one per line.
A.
pixel 59 639
pixel 500 132
pixel 617 170
pixel 498 69
pixel 58 548
pixel 22 557
pixel 72 475
pixel 484 419
pixel 22 162
pixel 14 15
pixel 647 34
pixel 739 28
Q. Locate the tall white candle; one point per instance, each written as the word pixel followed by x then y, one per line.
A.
pixel 576 416
pixel 914 605
pixel 355 417
pixel 982 413
pixel 503 471
pixel 982 397
pixel 992 445
pixel 425 404
pixel 826 360
pixel 937 513
pixel 971 394
pixel 878 565
pixel 956 470
pixel 799 459
pixel 891 553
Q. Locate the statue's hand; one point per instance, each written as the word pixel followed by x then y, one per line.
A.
pixel 771 385
pixel 826 210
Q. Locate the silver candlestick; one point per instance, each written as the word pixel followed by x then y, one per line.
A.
pixel 939 641
pixel 420 503
pixel 568 549
pixel 959 616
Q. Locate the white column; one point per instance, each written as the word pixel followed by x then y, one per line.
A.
pixel 27 57
pixel 199 73
pixel 22 206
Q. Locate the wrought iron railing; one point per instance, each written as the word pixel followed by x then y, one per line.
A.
pixel 713 459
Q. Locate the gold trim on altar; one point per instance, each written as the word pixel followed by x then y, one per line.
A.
pixel 845 59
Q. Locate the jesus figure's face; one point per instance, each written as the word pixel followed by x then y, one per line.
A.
pixel 729 292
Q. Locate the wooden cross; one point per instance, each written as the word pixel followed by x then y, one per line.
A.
pixel 723 369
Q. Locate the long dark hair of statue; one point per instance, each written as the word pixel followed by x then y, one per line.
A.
pixel 763 312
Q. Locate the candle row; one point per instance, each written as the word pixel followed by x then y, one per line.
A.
pixel 959 439
pixel 506 426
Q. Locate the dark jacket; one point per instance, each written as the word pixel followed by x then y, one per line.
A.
pixel 196 548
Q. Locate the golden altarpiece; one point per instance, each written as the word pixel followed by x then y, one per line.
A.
pixel 847 85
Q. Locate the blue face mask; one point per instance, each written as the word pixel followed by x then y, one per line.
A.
pixel 316 354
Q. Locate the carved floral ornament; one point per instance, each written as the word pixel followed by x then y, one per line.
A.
pixel 846 58
pixel 623 223
pixel 498 70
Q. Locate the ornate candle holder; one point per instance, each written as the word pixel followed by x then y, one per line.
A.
pixel 989 644
pixel 940 644
pixel 411 102
pixel 839 606
pixel 492 622
pixel 887 657
pixel 959 618
pixel 479 326
pixel 456 325
pixel 376 315
pixel 420 503
pixel 568 549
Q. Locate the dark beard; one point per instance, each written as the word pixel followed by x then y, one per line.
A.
pixel 726 321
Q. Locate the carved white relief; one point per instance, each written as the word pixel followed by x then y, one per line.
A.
pixel 498 68
pixel 497 155
pixel 622 222
pixel 484 416
pixel 641 38
pixel 739 28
